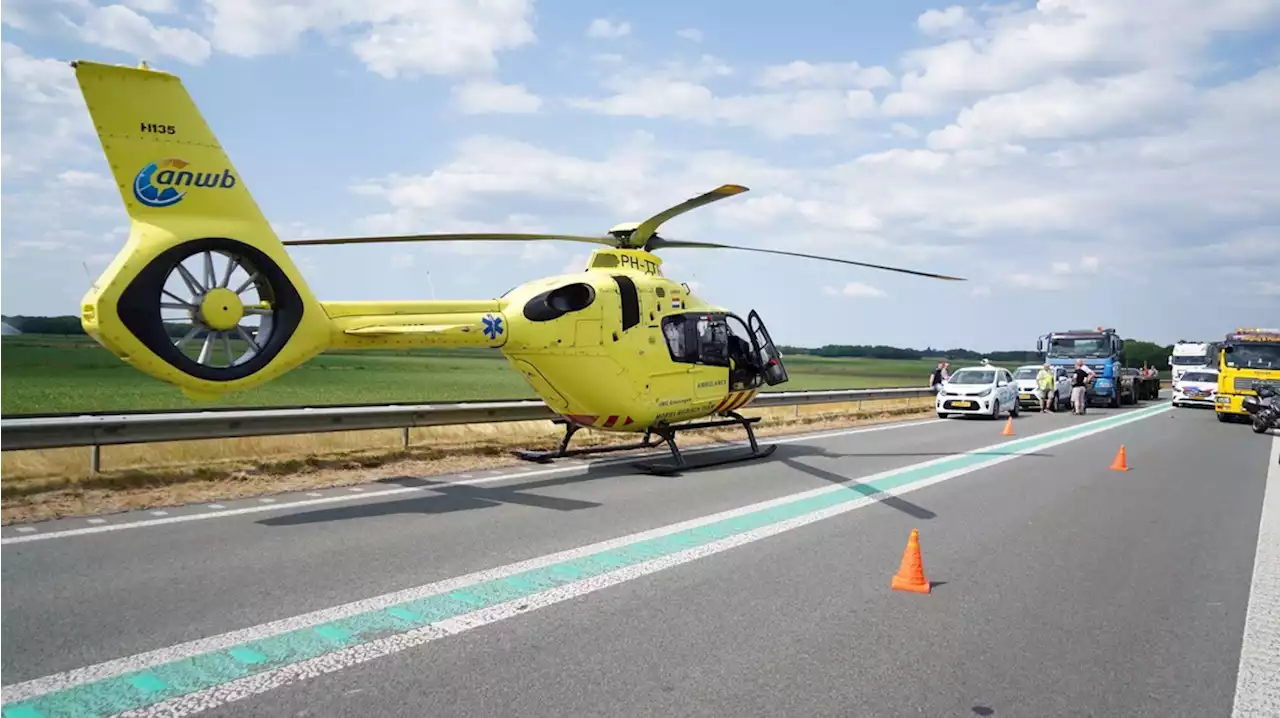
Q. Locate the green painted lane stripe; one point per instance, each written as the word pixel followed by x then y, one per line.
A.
pixel 139 689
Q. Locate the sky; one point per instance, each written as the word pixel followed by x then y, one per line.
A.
pixel 1078 162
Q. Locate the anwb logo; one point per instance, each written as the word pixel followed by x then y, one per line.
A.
pixel 163 183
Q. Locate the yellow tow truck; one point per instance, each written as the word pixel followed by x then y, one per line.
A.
pixel 1247 357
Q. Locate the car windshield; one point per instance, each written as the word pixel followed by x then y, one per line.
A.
pixel 973 376
pixel 1026 372
pixel 1254 356
pixel 1080 347
pixel 1200 376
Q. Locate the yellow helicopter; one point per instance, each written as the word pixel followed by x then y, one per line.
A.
pixel 618 347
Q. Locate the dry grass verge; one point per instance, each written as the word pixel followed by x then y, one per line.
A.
pixel 50 483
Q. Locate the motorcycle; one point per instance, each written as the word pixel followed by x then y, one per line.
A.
pixel 1263 409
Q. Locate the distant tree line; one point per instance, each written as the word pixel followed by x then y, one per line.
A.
pixel 1136 352
pixel 69 325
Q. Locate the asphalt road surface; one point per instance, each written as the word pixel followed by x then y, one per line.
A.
pixel 1060 586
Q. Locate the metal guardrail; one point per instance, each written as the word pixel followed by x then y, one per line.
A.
pixel 95 430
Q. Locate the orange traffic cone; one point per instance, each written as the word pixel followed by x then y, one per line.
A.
pixel 1008 428
pixel 1121 462
pixel 910 576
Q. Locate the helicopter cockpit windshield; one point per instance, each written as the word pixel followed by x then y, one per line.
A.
pixel 710 338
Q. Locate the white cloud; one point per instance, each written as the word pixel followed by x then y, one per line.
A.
pixel 1065 109
pixel 1080 39
pixel 826 74
pixel 80 178
pixel 904 130
pixel 607 29
pixel 951 21
pixel 1039 282
pixel 690 34
pixel 677 92
pixel 393 39
pixel 856 290
pixel 489 96
pixel 152 6
pixel 120 28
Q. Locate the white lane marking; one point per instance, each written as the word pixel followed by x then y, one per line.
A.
pixel 1258 677
pixel 26 529
pixel 356 489
pixel 314 493
pixel 267 500
pixel 96 521
pixel 158 513
pixel 61 681
pixel 468 482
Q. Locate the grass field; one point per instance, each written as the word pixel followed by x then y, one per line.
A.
pixel 46 374
pixel 51 374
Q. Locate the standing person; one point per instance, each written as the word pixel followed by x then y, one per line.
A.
pixel 1044 382
pixel 937 376
pixel 1079 380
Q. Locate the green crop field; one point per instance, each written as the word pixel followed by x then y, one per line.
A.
pixel 52 374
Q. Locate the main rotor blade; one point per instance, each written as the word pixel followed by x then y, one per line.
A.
pixel 645 230
pixel 461 237
pixel 661 243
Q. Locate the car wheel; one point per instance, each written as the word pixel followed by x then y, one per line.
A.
pixel 995 409
pixel 1013 413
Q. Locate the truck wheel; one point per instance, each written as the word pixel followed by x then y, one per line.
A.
pixel 1223 417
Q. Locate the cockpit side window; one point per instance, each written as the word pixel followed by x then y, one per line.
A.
pixel 675 329
pixel 713 341
pixel 697 338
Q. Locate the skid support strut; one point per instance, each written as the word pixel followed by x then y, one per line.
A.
pixel 546 457
pixel 679 462
pixel 666 435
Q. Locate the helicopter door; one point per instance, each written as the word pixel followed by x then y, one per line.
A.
pixel 770 357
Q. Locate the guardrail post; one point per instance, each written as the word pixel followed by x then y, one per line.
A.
pixel 95 459
pixel 404 435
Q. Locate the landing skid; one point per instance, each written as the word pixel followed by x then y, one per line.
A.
pixel 667 435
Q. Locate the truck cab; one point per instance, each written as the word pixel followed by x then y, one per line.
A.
pixel 1190 355
pixel 1100 349
pixel 1248 359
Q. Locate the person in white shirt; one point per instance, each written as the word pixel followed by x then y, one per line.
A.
pixel 1080 380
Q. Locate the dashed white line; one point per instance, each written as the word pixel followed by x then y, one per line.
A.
pixel 356 489
pixel 314 493
pixel 267 500
pixel 220 511
pixel 96 521
pixel 26 529
pixel 1258 677
pixel 158 513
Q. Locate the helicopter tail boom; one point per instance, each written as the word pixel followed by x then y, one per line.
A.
pixel 201 264
pixel 384 325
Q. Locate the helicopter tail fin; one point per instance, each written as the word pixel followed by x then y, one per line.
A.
pixel 203 295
